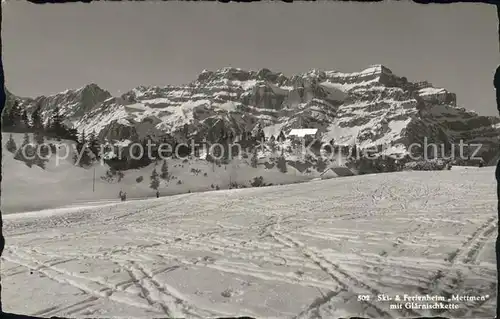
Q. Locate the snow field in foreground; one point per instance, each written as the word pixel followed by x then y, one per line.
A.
pixel 297 251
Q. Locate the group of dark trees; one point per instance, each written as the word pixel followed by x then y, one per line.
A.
pixel 113 175
pixel 385 164
pixel 30 152
pixel 16 119
pixel 280 138
pixel 377 164
pixel 349 151
pixel 155 177
pixel 139 154
pixel 221 144
pixel 88 150
pixel 130 157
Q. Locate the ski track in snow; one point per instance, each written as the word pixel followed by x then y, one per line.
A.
pixel 301 251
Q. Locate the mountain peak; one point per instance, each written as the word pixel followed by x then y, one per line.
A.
pixel 377 68
pixel 92 85
pixel 93 88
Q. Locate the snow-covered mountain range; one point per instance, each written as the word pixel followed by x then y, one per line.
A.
pixel 367 108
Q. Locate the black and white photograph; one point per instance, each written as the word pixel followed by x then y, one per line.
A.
pixel 269 160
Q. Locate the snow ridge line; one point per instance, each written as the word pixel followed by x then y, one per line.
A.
pixel 114 218
pixel 336 273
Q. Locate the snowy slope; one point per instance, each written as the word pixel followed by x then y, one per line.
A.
pixel 302 251
pixel 64 184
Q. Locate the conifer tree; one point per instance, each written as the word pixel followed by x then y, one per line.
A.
pixel 7 120
pixel 155 182
pixel 281 137
pixel 72 134
pixel 15 117
pixel 222 134
pixel 93 145
pixel 11 145
pixel 282 164
pixel 355 151
pixel 261 136
pixel 40 161
pixel 83 156
pixel 254 159
pixel 26 152
pixel 147 156
pixel 25 121
pixel 38 137
pixel 164 170
pixel 41 149
pixel 36 120
pixel 57 128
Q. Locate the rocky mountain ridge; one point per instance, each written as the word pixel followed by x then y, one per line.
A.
pixel 366 108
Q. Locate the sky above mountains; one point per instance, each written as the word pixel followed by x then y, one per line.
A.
pixel 50 48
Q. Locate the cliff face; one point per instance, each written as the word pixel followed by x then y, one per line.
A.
pixel 371 107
